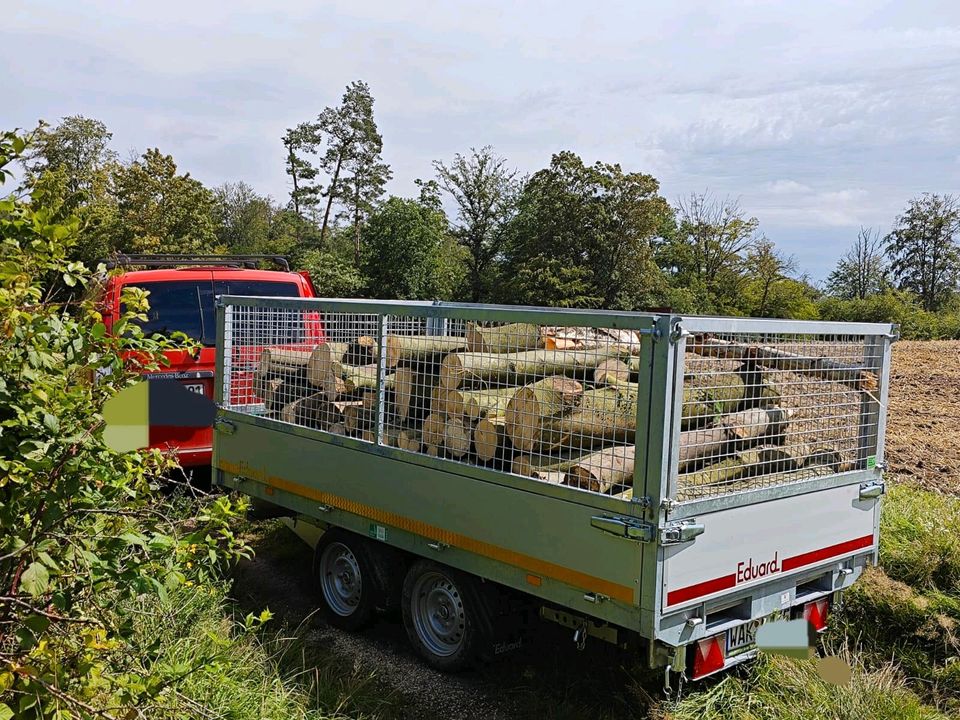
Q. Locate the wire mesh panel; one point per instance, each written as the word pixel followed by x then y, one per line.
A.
pixel 283 364
pixel 555 403
pixel 767 409
pixel 558 404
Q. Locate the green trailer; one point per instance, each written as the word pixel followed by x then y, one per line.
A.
pixel 661 482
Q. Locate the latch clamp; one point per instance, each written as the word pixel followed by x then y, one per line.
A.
pixel 626 527
pixel 680 532
pixel 872 489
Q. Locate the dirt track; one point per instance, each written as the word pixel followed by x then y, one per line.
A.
pixel 548 678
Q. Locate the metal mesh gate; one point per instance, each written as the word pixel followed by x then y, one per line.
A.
pixel 763 409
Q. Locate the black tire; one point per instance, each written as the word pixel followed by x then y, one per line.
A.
pixel 349 579
pixel 441 614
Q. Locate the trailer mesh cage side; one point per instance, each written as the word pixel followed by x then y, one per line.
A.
pixel 557 403
pixel 764 409
pixel 563 397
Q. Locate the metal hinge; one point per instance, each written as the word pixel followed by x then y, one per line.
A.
pixel 626 527
pixel 680 532
pixel 872 489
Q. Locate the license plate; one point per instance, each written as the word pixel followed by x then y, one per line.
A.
pixel 745 635
pixel 194 387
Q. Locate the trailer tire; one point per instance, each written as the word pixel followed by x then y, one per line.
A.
pixel 441 614
pixel 349 579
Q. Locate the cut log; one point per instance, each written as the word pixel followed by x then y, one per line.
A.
pixel 362 351
pixel 509 338
pixel 731 432
pixel 824 457
pixel 774 358
pixel 531 465
pixel 573 363
pixel 456 437
pixel 357 378
pixel 603 470
pixel 313 411
pixel 432 451
pixel 280 360
pixel 534 403
pixel 472 404
pixel 709 395
pixel 356 418
pixel 337 429
pixel 472 369
pixel 279 392
pixel 414 392
pixel 605 414
pixel 735 467
pixel 419 347
pixel 408 440
pixel 785 458
pixel 489 436
pixel 321 359
pixel 554 477
pixel 334 386
pixel 432 429
pixel 611 372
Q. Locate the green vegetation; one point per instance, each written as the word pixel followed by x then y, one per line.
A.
pixel 572 234
pixel 111 588
pixel 774 688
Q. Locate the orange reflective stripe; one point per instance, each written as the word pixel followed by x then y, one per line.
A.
pixel 567 575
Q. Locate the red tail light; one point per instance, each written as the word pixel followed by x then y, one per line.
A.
pixel 815 613
pixel 709 656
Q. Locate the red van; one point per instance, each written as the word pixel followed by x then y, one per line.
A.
pixel 182 291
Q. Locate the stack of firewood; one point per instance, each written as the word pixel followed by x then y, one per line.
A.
pixel 556 404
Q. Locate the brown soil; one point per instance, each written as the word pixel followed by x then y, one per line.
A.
pixel 923 425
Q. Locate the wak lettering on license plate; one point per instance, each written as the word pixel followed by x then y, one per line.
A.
pixel 743 636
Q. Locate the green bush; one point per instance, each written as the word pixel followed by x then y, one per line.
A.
pixel 896 307
pixel 82 530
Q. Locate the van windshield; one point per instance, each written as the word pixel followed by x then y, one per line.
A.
pixel 187 306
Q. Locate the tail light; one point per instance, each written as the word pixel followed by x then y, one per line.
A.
pixel 709 656
pixel 815 613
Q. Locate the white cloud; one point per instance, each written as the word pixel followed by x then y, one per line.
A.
pixel 820 116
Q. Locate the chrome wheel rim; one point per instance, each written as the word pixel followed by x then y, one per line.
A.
pixel 438 614
pixel 340 579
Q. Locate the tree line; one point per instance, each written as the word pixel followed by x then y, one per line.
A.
pixel 572 234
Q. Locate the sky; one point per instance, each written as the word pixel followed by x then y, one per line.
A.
pixel 819 117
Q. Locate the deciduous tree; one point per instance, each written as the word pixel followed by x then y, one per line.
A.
pixel 923 251
pixel 485 190
pixel 862 271
pixel 583 236
pixel 402 244
pixel 159 209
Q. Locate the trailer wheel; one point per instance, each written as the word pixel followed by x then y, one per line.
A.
pixel 439 610
pixel 348 579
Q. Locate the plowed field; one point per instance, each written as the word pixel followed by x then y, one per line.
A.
pixel 923 427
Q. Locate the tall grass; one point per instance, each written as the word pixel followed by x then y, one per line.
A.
pixel 920 539
pixel 245 675
pixel 777 688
